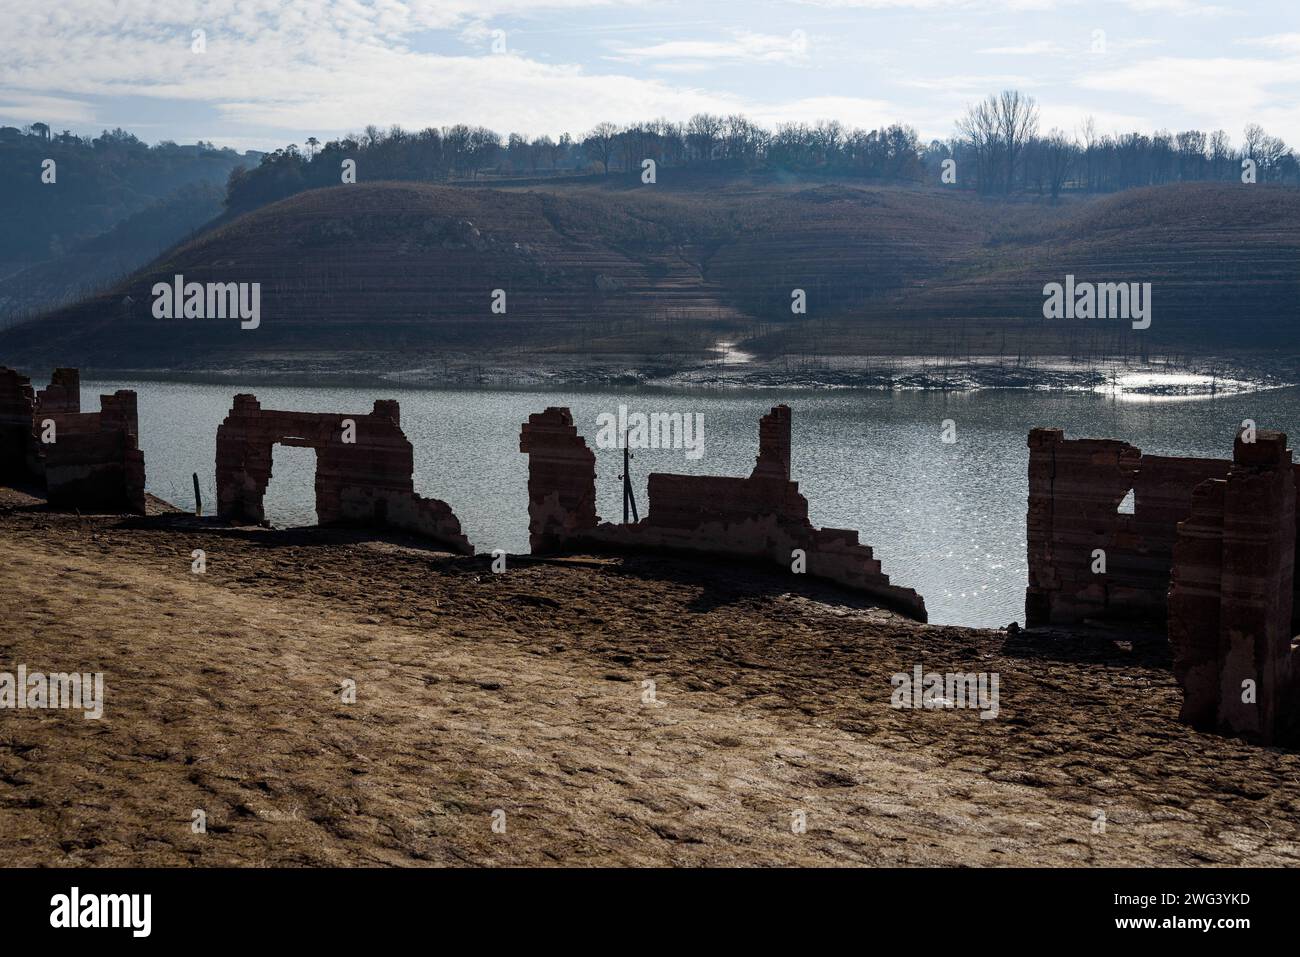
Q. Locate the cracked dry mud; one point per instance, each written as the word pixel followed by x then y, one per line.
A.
pixel 523 692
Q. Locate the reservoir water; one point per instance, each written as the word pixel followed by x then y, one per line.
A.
pixel 945 518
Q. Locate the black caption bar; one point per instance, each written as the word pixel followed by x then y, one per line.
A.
pixel 141 907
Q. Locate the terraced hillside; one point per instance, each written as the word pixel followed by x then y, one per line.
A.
pixel 844 246
pixel 400 267
pixel 397 274
pixel 1223 263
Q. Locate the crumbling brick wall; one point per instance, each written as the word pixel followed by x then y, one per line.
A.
pixel 561 480
pixel 17 403
pixel 365 482
pixel 94 460
pixel 1231 596
pixel 759 517
pixel 1210 550
pixel 62 396
pixel 1075 490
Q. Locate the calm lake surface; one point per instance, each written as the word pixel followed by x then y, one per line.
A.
pixel 945 519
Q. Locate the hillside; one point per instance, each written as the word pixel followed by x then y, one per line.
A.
pixel 96 185
pixel 1223 261
pixel 97 262
pixel 401 276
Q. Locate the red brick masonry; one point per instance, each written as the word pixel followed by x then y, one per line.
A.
pixel 366 482
pixel 94 462
pixel 1231 600
pixel 1210 550
pixel 760 517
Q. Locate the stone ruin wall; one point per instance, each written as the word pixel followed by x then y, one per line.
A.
pixel 366 482
pixel 95 462
pixel 1209 551
pixel 760 517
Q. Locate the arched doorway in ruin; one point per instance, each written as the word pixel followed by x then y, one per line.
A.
pixel 364 469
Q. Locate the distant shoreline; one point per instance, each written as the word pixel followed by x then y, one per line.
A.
pixel 1156 379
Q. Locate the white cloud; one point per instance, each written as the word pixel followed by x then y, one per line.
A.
pixel 1181 8
pixel 334 66
pixel 274 71
pixel 885 4
pixel 1286 42
pixel 741 47
pixel 922 5
pixel 47 109
pixel 1033 48
pixel 683 66
pixel 972 84
pixel 501 92
pixel 1071 119
pixel 329 66
pixel 1214 92
pixel 849 110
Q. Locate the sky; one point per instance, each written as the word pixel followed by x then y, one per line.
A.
pixel 266 73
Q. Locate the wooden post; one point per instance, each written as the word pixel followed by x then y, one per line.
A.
pixel 629 499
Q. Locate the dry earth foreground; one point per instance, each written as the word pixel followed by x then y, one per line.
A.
pixel 523 692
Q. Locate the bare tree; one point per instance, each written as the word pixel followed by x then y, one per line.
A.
pixel 1255 136
pixel 1088 134
pixel 1017 123
pixel 1220 153
pixel 546 149
pixel 979 126
pixel 702 134
pixel 1191 154
pixel 1059 155
pixel 600 143
pixel 1267 151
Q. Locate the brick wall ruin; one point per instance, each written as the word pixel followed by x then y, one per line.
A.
pixel 1232 594
pixel 368 481
pixel 1075 490
pixel 17 404
pixel 1210 551
pixel 94 461
pixel 62 395
pixel 759 517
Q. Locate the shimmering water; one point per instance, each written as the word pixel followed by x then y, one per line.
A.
pixel 946 519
